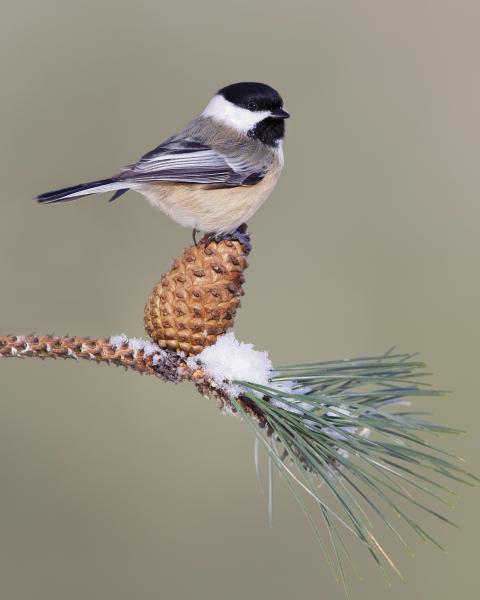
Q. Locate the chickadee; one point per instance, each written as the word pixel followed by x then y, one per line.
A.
pixel 216 172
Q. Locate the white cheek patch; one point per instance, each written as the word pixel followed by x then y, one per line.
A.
pixel 227 113
pixel 281 158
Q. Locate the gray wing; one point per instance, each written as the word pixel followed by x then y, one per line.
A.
pixel 187 160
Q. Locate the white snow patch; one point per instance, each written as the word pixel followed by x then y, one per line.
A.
pixel 148 347
pixel 229 360
pixel 135 344
pixel 284 386
pixel 70 352
pixel 288 386
pixel 285 406
pixel 303 391
pixel 117 341
pixel 340 410
pixel 159 357
pixel 292 405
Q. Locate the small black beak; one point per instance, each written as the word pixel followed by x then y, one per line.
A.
pixel 279 113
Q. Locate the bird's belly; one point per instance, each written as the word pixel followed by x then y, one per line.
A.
pixel 207 209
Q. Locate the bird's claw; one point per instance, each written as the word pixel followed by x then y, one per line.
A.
pixel 240 235
pixel 194 235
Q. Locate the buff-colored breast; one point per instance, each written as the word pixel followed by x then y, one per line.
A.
pixel 210 209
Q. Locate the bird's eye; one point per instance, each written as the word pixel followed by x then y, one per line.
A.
pixel 252 106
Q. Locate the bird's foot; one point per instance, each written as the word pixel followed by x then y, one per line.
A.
pixel 194 235
pixel 240 235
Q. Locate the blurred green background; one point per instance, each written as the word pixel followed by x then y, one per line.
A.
pixel 120 487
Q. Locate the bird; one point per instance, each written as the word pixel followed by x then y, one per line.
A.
pixel 215 173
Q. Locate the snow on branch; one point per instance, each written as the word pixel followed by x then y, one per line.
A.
pixel 213 371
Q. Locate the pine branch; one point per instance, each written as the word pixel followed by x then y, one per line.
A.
pixel 337 424
pixel 137 355
pixel 164 364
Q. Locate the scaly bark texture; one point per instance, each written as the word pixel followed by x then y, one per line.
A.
pixel 196 301
pixel 164 364
pixel 167 365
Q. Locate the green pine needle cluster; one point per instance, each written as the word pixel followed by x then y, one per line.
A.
pixel 344 433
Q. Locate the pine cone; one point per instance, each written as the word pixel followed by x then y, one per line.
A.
pixel 195 302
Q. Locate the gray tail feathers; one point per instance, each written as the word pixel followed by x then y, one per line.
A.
pixel 83 189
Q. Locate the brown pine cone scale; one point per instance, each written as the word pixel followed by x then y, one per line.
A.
pixel 195 302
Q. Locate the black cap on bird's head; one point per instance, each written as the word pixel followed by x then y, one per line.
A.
pixel 255 97
pixel 254 109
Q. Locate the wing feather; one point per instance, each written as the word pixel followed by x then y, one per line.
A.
pixel 188 160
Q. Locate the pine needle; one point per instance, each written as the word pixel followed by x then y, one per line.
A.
pixel 334 423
